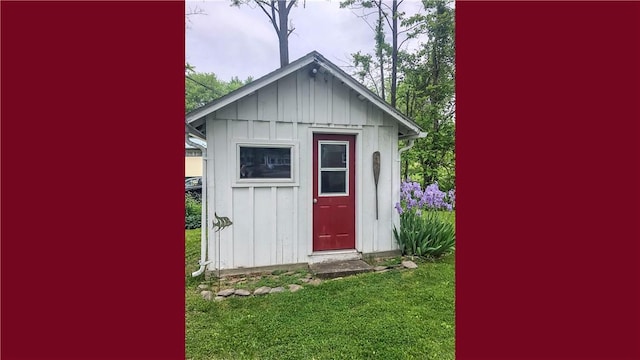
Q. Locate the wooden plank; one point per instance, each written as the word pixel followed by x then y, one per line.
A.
pixel 242 243
pixel 357 110
pixel 248 108
pixel 369 145
pixel 340 103
pixel 239 129
pixel 268 103
pixel 284 223
pixel 304 195
pixel 229 112
pixel 222 204
pixel 320 101
pixel 288 98
pixel 374 115
pixel 385 234
pixel 261 129
pixel 284 131
pixel 263 236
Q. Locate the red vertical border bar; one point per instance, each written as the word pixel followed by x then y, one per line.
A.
pixel 92 167
pixel 548 162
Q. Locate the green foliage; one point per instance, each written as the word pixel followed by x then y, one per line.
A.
pixel 192 212
pixel 425 235
pixel 427 94
pixel 201 88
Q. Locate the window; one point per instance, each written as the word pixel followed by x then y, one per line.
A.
pixel 272 162
pixel 334 170
pixel 193 153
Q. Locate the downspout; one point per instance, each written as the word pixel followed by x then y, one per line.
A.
pixel 203 222
pixel 411 140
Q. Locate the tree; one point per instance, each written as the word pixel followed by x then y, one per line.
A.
pixel 278 13
pixel 428 95
pixel 201 88
pixel 387 55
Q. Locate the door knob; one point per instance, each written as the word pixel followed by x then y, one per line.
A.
pixel 315 201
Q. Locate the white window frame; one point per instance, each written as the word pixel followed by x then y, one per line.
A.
pixel 266 182
pixel 345 169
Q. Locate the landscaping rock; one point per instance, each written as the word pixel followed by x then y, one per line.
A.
pixel 338 278
pixel 308 276
pixel 242 292
pixel 276 290
pixel 305 280
pixel 207 295
pixel 289 273
pixel 409 264
pixel 262 290
pixel 315 282
pixel 226 292
pixel 382 271
pixel 219 298
pixel 379 268
pixel 203 287
pixel 294 287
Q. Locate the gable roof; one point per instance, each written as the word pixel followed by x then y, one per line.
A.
pixel 413 129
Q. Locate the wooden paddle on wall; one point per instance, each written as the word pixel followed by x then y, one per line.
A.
pixel 376 175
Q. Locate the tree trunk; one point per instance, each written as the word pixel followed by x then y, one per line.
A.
pixel 283 33
pixel 406 170
pixel 394 52
pixel 380 42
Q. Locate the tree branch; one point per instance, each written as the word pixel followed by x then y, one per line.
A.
pixel 272 19
pixel 291 5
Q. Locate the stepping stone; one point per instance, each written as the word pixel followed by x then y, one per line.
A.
pixel 382 271
pixel 226 292
pixel 315 282
pixel 334 269
pixel 409 264
pixel 305 280
pixel 276 290
pixel 219 298
pixel 289 273
pixel 379 268
pixel 262 290
pixel 207 295
pixel 242 292
pixel 295 287
pixel 203 287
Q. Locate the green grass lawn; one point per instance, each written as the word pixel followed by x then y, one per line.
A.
pixel 406 314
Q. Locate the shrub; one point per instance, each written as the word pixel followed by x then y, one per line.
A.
pixel 192 212
pixel 426 234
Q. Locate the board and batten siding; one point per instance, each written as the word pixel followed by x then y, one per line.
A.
pixel 272 223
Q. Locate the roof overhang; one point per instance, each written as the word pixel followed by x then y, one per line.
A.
pixel 196 117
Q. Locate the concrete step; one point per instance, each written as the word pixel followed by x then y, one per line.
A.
pixel 334 269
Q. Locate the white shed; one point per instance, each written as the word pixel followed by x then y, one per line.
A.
pixel 289 160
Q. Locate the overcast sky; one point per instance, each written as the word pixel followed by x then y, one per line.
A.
pixel 231 41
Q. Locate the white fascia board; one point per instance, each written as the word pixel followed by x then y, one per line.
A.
pixel 247 90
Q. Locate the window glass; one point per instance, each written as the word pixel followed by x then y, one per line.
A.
pixel 333 155
pixel 265 162
pixel 333 182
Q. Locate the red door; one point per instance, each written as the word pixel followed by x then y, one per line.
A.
pixel 334 192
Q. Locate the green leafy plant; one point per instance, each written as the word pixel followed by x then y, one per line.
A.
pixel 427 233
pixel 192 212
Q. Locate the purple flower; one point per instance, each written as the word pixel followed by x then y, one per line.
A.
pixel 413 197
pixel 399 208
